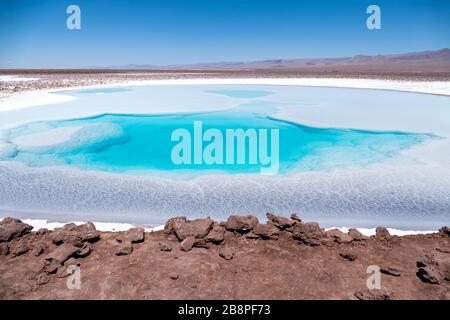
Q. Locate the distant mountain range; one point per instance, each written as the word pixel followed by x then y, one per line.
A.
pixel 427 60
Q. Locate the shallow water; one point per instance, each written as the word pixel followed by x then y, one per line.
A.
pixel 142 144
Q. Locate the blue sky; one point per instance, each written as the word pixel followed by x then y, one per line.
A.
pixel 33 33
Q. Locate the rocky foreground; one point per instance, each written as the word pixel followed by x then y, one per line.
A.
pixel 237 259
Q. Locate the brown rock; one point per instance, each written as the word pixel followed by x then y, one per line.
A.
pixel 198 228
pixel 382 233
pixel 37 250
pixel 309 233
pixel 124 249
pixel 169 226
pixel 18 248
pixel 443 249
pixel 348 256
pixel 85 250
pixel 390 271
pixel 374 294
pixel 226 253
pixel 338 236
pixel 164 247
pixel 62 253
pixel 445 231
pixel 251 235
pixel 427 260
pixel 216 234
pixel 72 262
pixel 356 235
pixel 241 223
pixel 430 274
pixel 42 278
pixel 295 217
pixel 280 222
pixel 135 235
pixel 11 228
pixel 266 231
pixel 174 276
pixel 187 244
pixel 75 235
pixel 4 249
pixel 63 271
pixel 51 266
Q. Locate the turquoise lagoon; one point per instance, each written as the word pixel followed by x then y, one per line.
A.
pixel 141 143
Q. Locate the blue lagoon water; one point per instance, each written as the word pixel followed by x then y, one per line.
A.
pixel 141 144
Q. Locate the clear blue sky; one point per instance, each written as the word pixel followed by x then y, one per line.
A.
pixel 33 33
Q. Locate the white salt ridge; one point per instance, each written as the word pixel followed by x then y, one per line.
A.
pixel 66 139
pixel 43 97
pixel 9 78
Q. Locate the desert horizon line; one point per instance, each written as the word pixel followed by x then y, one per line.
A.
pixel 442 54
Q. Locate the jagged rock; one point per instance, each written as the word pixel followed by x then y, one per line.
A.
pixel 201 243
pixel 339 236
pixel 382 233
pixel 241 223
pixel 309 233
pixel 374 294
pixel 295 217
pixel 72 262
pixel 447 274
pixel 216 234
pixel 42 278
pixel 390 271
pixel 75 235
pixel 226 253
pixel 348 256
pixel 430 274
pixel 37 250
pixel 187 244
pixel 165 247
pixel 4 249
pixel 169 226
pixel 51 266
pixel 251 235
pixel 198 228
pixel 445 231
pixel 42 231
pixel 427 260
pixel 62 253
pixel 280 222
pixel 18 248
pixel 356 235
pixel 266 231
pixel 124 249
pixel 443 249
pixel 62 271
pixel 85 250
pixel 135 235
pixel 11 228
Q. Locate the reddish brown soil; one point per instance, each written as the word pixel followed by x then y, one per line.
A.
pixel 260 269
